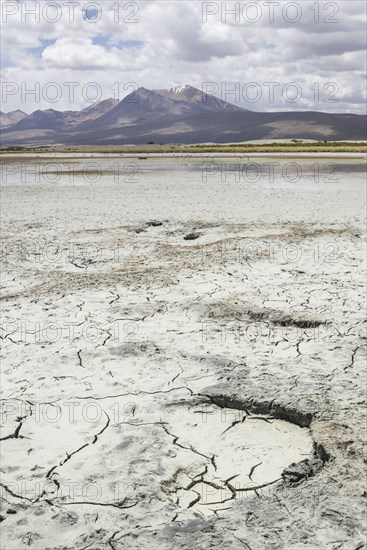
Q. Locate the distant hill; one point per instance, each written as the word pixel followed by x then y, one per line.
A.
pixel 179 115
pixel 7 119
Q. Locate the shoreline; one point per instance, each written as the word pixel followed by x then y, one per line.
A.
pixel 223 149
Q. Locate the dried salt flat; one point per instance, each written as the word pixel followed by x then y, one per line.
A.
pixel 181 391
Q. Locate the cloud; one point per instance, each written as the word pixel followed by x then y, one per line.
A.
pixel 159 44
pixel 80 54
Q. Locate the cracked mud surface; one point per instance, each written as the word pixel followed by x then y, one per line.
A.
pixel 161 391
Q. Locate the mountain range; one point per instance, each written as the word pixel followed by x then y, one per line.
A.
pixel 182 114
pixel 7 119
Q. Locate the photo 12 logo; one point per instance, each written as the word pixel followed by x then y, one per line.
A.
pixel 120 495
pixel 72 411
pixel 271 12
pixel 72 332
pixel 69 11
pixel 252 172
pixel 272 92
pixel 53 173
pixel 72 92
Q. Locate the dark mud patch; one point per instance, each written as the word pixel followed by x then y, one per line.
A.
pixel 192 236
pixel 280 318
pixel 244 313
pixel 263 407
pixel 301 471
pixel 154 223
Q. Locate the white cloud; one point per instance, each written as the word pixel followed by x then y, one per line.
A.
pixel 179 47
pixel 80 54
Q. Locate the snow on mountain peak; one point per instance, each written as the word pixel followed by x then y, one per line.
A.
pixel 179 89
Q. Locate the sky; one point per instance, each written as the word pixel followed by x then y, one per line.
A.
pixel 262 55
